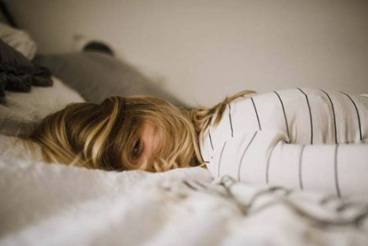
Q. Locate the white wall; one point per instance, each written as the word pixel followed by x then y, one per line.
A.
pixel 204 50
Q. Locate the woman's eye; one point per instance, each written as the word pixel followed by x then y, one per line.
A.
pixel 137 149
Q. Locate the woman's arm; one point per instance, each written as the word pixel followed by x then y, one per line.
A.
pixel 339 169
pixel 264 157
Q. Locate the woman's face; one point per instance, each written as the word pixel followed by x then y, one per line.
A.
pixel 146 145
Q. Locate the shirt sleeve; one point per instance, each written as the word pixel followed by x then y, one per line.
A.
pixel 339 169
pixel 264 157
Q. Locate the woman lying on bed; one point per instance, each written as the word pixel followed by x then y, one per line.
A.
pixel 299 138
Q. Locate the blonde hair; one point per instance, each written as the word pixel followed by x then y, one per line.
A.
pixel 102 136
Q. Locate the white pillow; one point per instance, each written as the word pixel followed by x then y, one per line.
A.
pixel 19 40
pixel 21 111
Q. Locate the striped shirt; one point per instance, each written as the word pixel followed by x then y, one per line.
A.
pixel 306 139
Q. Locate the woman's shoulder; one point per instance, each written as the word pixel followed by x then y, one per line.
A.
pixel 299 92
pixel 298 97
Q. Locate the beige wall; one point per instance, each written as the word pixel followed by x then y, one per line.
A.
pixel 203 50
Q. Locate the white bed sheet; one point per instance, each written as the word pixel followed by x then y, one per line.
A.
pixel 44 204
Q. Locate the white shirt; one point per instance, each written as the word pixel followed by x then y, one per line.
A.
pixel 306 139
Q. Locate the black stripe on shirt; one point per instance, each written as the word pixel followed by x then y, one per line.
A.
pixel 231 122
pixel 209 135
pixel 218 168
pixel 336 172
pixel 255 110
pixel 268 165
pixel 245 150
pixel 301 168
pixel 283 110
pixel 334 115
pixel 310 113
pixel 358 115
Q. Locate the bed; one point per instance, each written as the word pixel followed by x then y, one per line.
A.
pixel 60 205
pixel 54 204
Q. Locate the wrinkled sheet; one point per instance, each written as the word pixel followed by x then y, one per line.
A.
pixel 44 204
